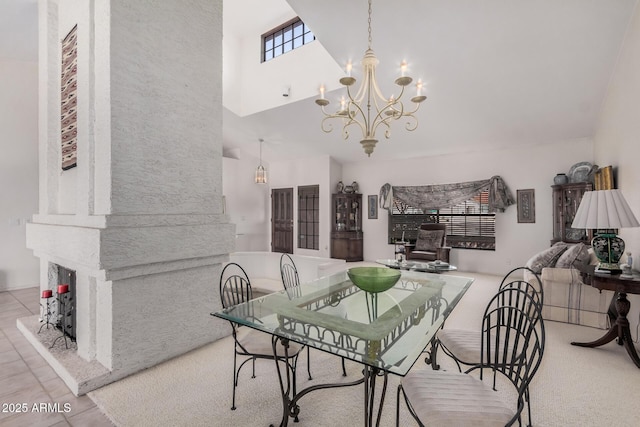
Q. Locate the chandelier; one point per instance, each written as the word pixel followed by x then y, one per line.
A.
pixel 368 108
pixel 261 172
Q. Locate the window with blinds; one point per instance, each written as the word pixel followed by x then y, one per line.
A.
pixel 285 38
pixel 309 217
pixel 469 224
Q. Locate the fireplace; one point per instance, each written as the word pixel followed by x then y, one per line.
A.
pixel 63 309
pixel 142 242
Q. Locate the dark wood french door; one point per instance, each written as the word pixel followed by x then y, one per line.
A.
pixel 282 220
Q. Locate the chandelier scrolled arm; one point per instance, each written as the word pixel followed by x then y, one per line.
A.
pixel 380 120
pixel 369 108
pixel 325 125
pixel 391 113
pixel 412 122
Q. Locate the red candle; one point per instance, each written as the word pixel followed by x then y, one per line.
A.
pixel 63 289
pixel 47 293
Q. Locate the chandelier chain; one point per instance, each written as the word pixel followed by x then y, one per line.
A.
pixel 369 24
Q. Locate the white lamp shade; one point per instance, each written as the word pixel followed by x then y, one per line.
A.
pixel 604 209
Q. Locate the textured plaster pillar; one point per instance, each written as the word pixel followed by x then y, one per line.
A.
pixel 140 218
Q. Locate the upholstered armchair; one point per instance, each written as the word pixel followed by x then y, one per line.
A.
pixel 430 245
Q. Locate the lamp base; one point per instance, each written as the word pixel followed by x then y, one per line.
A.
pixel 608 248
pixel 608 268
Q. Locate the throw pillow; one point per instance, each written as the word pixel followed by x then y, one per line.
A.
pixel 575 256
pixel 547 258
pixel 429 240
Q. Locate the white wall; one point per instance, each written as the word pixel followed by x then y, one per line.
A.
pixel 521 168
pixel 251 86
pixel 617 139
pixel 309 171
pixel 18 171
pixel 247 203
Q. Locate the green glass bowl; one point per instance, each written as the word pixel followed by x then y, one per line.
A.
pixel 373 279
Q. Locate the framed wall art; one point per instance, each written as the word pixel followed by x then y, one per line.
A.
pixel 372 206
pixel 68 100
pixel 526 205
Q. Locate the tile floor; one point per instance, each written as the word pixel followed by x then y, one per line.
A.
pixel 26 378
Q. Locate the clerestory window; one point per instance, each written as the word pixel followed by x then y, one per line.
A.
pixel 284 38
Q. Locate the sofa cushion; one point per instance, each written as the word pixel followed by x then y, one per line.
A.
pixel 547 258
pixel 429 240
pixel 576 256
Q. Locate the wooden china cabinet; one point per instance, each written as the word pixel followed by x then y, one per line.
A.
pixel 346 228
pixel 566 199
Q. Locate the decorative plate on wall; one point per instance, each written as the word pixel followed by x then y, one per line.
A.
pixel 580 172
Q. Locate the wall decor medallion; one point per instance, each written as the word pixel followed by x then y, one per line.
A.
pixel 68 100
pixel 526 205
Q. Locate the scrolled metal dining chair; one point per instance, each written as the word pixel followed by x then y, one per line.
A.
pixel 291 283
pixel 512 345
pixel 235 288
pixel 289 272
pixel 463 345
pixel 536 283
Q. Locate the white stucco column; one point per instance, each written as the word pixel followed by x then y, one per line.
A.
pixel 140 218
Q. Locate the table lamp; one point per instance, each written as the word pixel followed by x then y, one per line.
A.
pixel 605 211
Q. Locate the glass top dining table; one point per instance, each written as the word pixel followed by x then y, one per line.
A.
pixel 386 332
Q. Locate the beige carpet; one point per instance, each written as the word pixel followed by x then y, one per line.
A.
pixel 575 386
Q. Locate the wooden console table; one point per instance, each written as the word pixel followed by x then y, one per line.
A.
pixel 620 324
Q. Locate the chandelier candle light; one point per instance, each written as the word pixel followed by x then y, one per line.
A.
pixel 368 108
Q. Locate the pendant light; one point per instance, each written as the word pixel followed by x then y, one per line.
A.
pixel 261 172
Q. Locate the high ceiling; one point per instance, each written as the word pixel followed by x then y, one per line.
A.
pixel 498 73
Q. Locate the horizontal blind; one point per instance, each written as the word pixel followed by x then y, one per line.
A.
pixel 469 224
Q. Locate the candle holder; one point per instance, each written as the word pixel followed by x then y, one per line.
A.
pixel 61 298
pixel 45 309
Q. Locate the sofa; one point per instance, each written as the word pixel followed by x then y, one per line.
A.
pixel 566 298
pixel 263 269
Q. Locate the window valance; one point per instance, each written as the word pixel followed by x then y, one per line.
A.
pixel 441 196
